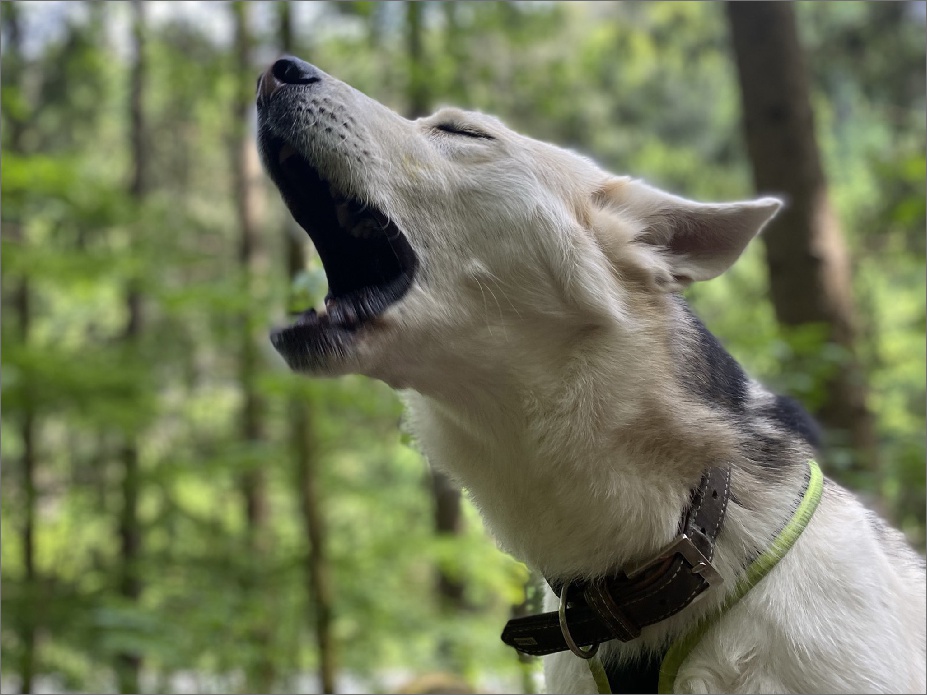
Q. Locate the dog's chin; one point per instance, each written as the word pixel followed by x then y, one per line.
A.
pixel 384 349
pixel 316 347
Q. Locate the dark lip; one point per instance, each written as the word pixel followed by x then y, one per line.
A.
pixel 305 345
pixel 365 275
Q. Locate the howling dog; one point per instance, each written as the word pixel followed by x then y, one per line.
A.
pixel 528 304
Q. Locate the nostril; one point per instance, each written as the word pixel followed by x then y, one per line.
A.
pixel 290 70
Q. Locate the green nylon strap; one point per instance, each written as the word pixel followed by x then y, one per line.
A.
pixel 601 678
pixel 755 572
pixel 760 567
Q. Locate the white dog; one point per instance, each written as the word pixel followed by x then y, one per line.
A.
pixel 529 303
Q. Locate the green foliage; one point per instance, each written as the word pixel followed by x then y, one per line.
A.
pixel 645 88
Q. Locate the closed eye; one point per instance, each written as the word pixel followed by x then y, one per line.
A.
pixel 466 131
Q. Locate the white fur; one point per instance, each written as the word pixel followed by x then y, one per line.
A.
pixel 533 349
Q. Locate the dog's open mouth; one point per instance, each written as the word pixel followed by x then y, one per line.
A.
pixel 368 261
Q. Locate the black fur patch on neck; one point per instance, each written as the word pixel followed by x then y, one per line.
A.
pixel 776 429
pixel 708 371
pixel 792 417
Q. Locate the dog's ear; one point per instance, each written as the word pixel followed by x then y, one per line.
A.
pixel 698 241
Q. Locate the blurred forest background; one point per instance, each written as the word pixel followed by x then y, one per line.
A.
pixel 181 514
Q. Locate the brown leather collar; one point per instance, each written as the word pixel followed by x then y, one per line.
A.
pixel 618 606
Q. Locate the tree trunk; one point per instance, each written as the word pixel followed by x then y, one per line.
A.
pixel 22 305
pixel 252 482
pixel 306 460
pixel 318 570
pixel 446 496
pixel 808 263
pixel 27 432
pixel 29 464
pixel 246 172
pixel 128 663
pixel 417 91
pixel 454 46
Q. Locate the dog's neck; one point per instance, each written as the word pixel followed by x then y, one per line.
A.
pixel 572 473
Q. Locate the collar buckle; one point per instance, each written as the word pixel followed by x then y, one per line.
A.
pixel 683 545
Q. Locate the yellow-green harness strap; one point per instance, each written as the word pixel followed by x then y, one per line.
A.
pixel 758 569
pixel 602 685
pixel 755 572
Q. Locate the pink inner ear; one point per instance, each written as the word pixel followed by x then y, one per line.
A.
pixel 686 242
pixel 697 239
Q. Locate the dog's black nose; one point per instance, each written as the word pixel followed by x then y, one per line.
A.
pixel 287 70
pixel 290 70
